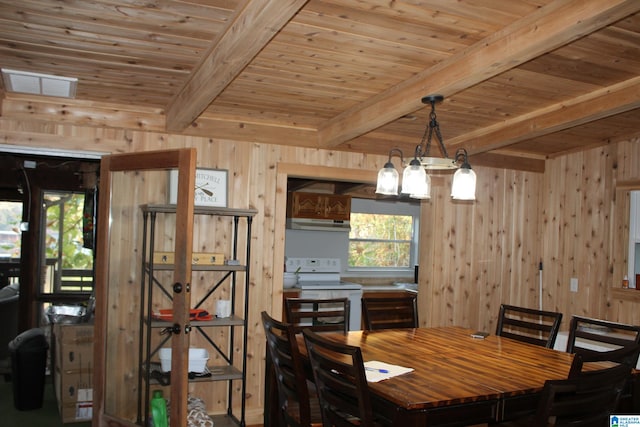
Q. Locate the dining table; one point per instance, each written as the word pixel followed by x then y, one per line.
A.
pixel 457 377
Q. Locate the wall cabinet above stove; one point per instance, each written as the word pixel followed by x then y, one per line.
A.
pixel 318 206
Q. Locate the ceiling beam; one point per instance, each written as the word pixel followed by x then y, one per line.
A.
pixel 514 161
pixel 252 26
pixel 550 27
pixel 600 103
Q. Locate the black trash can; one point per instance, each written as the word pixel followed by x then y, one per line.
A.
pixel 28 368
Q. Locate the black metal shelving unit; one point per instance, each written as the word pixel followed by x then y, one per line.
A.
pixel 149 325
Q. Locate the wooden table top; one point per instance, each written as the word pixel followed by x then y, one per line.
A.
pixel 451 367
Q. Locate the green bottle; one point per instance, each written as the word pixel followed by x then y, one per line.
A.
pixel 159 409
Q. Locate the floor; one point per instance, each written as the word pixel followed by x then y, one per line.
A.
pixel 47 416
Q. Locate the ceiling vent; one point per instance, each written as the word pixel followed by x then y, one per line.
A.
pixel 39 84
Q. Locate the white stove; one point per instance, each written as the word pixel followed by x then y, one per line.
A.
pixel 319 278
pixel 318 273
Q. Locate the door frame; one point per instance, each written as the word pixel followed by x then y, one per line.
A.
pixel 185 161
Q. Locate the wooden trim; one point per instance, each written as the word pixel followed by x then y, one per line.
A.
pixel 633 184
pixel 632 295
pixel 283 172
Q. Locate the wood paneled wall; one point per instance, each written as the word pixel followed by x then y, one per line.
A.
pixel 473 256
pixel 578 232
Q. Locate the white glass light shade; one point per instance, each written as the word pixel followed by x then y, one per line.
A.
pixel 413 177
pixel 388 180
pixel 424 192
pixel 464 184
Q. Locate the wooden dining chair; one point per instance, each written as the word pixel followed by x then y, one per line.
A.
pixel 341 382
pixel 597 340
pixel 388 313
pixel 586 400
pixel 538 327
pixel 627 355
pixel 583 401
pixel 297 399
pixel 590 335
pixel 331 314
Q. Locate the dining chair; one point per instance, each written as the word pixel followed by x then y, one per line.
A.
pixel 538 327
pixel 297 399
pixel 388 313
pixel 331 314
pixel 598 340
pixel 627 355
pixel 585 400
pixel 341 382
pixel 592 335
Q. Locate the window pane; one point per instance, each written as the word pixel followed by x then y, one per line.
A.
pixel 381 227
pixel 380 241
pixel 10 235
pixel 379 254
pixel 69 264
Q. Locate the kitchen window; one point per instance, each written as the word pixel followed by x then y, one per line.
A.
pixel 383 239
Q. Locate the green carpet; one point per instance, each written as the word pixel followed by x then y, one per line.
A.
pixel 47 416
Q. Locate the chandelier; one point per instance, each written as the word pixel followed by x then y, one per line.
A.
pixel 415 179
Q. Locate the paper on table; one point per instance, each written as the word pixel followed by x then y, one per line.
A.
pixel 373 370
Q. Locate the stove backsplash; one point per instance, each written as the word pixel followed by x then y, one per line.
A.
pixel 317 244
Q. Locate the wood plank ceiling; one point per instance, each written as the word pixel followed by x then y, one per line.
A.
pixel 523 80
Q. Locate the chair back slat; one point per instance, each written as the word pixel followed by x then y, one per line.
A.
pixel 584 401
pixel 599 331
pixel 341 382
pixel 388 313
pixel 294 398
pixel 329 314
pixel 538 327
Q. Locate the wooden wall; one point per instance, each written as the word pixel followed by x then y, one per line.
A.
pixel 474 256
pixel 578 232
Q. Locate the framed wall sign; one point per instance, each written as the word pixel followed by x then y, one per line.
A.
pixel 211 187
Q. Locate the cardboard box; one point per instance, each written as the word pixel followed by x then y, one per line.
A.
pixel 74 333
pixel 74 394
pixel 73 347
pixel 73 387
pixel 76 412
pixel 73 371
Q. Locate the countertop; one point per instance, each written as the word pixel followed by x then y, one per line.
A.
pixel 406 287
pixel 391 287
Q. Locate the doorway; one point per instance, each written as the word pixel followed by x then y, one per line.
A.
pixel 31 185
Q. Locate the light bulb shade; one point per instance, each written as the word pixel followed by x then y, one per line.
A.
pixel 464 184
pixel 388 180
pixel 424 192
pixel 413 178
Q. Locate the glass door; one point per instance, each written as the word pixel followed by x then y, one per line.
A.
pixel 127 183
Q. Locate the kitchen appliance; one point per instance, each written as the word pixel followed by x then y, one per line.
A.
pixel 319 278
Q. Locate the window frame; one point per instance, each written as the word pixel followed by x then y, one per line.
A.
pixel 365 206
pixel 61 281
pixel 633 255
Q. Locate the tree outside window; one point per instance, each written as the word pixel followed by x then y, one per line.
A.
pixel 69 261
pixel 10 235
pixel 380 241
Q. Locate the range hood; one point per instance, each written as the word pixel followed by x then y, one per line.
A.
pixel 318 224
